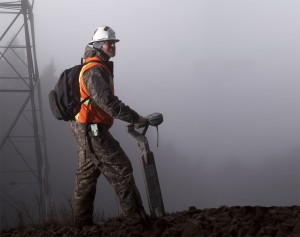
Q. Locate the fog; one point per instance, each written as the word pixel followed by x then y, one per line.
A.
pixel 225 75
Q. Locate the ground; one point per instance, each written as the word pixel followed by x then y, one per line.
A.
pixel 238 221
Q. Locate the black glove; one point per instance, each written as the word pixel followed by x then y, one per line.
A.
pixel 142 122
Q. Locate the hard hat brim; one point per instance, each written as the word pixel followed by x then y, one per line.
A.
pixel 92 42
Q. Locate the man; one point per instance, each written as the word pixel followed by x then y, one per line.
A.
pixel 98 152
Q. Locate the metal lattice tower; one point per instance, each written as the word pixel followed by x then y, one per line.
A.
pixel 23 155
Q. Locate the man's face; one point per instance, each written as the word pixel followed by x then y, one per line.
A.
pixel 109 47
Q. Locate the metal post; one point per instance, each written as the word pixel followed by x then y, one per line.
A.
pixel 23 155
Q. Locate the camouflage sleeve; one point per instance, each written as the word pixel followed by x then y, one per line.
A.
pixel 99 89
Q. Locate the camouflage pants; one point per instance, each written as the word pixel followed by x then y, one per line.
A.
pixel 97 155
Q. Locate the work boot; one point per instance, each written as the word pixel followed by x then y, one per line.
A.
pixel 80 224
pixel 143 221
pixel 132 220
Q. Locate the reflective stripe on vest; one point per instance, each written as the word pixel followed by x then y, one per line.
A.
pixel 95 113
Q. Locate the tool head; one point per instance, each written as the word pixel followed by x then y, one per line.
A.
pixel 155 119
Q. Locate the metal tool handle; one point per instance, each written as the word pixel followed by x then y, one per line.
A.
pixel 151 180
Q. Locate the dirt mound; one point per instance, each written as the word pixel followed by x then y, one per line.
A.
pixel 225 221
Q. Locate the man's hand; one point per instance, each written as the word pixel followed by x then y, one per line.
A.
pixel 142 122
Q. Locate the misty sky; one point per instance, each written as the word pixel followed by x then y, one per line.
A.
pixel 224 73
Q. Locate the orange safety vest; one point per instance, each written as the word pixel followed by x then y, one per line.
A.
pixel 94 112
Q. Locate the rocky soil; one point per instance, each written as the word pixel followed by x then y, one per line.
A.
pixel 246 221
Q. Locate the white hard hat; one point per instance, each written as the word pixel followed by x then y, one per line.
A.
pixel 103 33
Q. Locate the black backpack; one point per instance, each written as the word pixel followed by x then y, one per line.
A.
pixel 64 100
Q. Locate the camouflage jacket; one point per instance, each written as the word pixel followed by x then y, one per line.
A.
pixel 98 86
